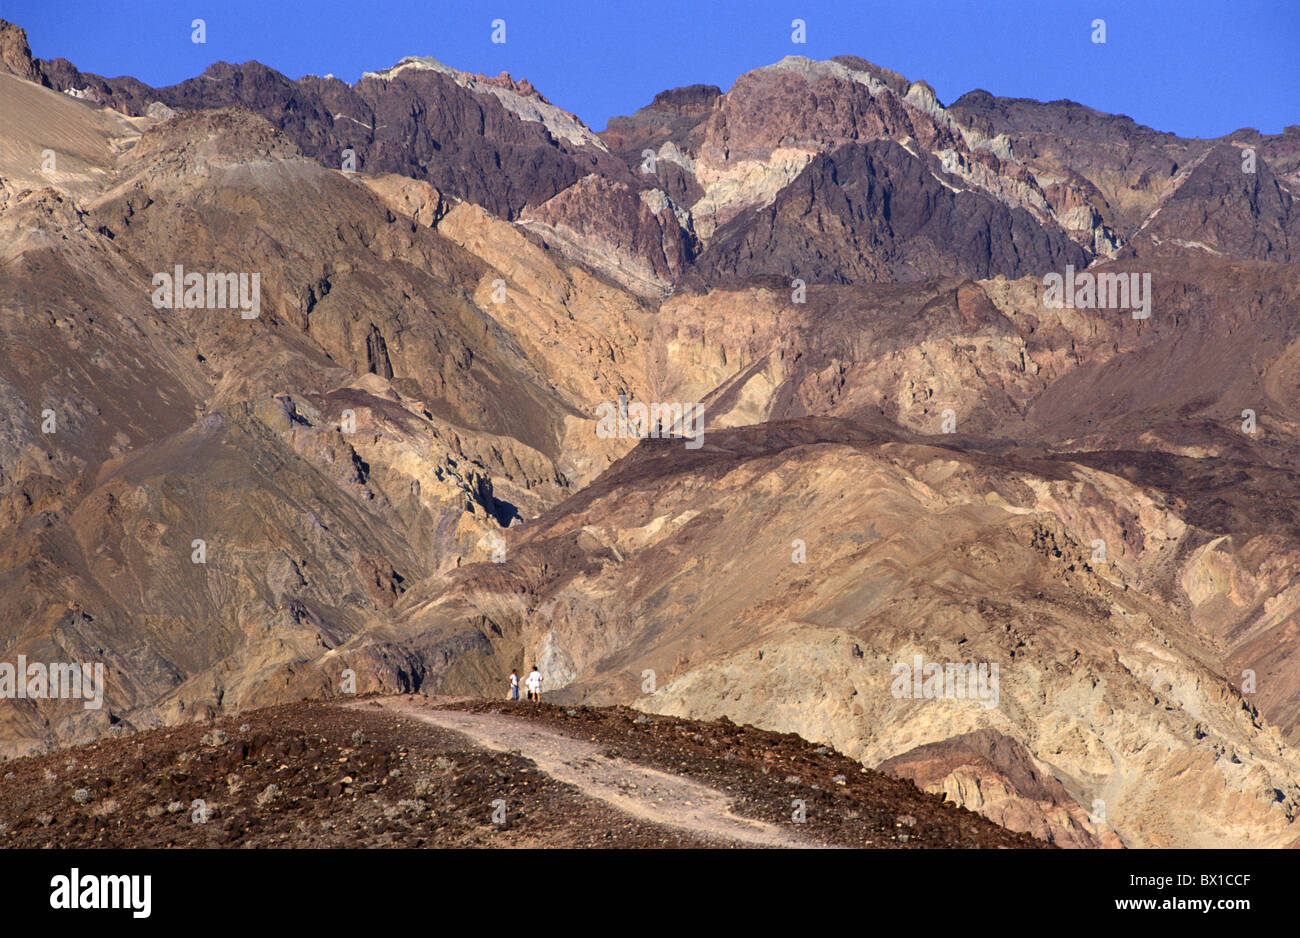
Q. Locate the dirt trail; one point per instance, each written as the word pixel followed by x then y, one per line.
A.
pixel 635 790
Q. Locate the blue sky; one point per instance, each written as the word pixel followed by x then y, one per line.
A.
pixel 1194 67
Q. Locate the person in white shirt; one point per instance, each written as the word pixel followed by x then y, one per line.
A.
pixel 534 684
pixel 514 685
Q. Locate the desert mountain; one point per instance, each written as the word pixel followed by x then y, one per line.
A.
pixel 388 460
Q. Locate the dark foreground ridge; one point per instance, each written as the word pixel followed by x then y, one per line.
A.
pixel 362 775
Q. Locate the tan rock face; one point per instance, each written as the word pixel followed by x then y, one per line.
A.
pixel 414 198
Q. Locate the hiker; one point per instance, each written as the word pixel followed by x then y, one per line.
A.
pixel 534 683
pixel 514 684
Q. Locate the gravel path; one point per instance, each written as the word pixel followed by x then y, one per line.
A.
pixel 640 792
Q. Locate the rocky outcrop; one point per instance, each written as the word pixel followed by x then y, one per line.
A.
pixel 876 213
pixel 641 238
pixel 993 775
pixel 677 114
pixel 16 54
pixel 1221 209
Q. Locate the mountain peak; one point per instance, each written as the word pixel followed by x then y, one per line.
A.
pixel 16 54
pixel 519 97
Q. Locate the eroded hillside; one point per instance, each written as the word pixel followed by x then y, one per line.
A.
pixel 385 469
